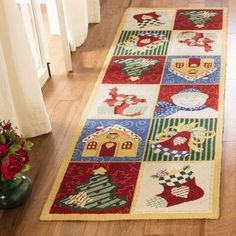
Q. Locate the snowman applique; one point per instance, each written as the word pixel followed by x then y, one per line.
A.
pixel 188 103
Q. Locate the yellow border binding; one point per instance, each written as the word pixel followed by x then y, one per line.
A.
pixel 163 215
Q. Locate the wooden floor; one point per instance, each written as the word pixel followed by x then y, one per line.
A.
pixel 66 97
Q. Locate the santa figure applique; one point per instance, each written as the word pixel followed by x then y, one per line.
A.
pixel 179 186
pixel 179 141
pixel 147 19
pixel 188 103
pixel 143 42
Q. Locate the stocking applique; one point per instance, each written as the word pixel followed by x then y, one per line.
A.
pixel 146 19
pixel 179 187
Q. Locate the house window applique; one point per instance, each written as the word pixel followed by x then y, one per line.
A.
pixel 112 141
pixel 127 145
pixel 92 145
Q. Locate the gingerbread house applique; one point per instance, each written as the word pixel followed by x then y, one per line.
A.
pixel 112 141
pixel 192 68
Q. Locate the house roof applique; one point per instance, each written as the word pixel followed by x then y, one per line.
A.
pixel 113 127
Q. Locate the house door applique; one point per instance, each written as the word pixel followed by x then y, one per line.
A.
pixel 108 149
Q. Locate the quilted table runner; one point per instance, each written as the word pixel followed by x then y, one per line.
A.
pixel 149 144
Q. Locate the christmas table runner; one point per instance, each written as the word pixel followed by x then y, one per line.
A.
pixel 150 141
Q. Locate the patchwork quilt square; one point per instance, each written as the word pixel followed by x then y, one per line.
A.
pixel 179 187
pixel 150 19
pixel 111 140
pixel 181 140
pixel 195 19
pixel 141 43
pixel 195 42
pixel 128 102
pixel 96 188
pixel 187 101
pixel 192 70
pixel 134 70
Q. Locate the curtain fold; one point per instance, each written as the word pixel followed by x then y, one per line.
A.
pixel 78 13
pixel 21 97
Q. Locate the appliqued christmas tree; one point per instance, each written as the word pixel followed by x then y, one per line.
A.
pixel 179 186
pixel 145 19
pixel 199 18
pixel 136 67
pixel 96 194
pixel 177 141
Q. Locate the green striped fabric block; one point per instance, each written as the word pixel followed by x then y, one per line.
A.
pixel 139 51
pixel 158 126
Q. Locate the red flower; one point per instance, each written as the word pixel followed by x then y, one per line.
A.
pixel 10 167
pixel 24 156
pixel 3 149
pixel 7 126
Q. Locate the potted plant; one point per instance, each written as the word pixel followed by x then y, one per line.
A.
pixel 15 187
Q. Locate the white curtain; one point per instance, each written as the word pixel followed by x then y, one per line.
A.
pixel 78 13
pixel 20 94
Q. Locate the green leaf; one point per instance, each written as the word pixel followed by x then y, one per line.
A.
pixel 26 168
pixel 18 175
pixel 2 139
pixel 28 146
pixel 14 148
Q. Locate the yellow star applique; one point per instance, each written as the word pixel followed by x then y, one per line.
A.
pixel 99 171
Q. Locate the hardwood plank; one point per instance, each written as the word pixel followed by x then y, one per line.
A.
pixel 225 225
pixel 174 227
pixel 231 5
pixel 230 111
pixel 231 56
pixel 213 3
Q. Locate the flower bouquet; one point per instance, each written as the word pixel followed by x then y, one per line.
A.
pixel 14 161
